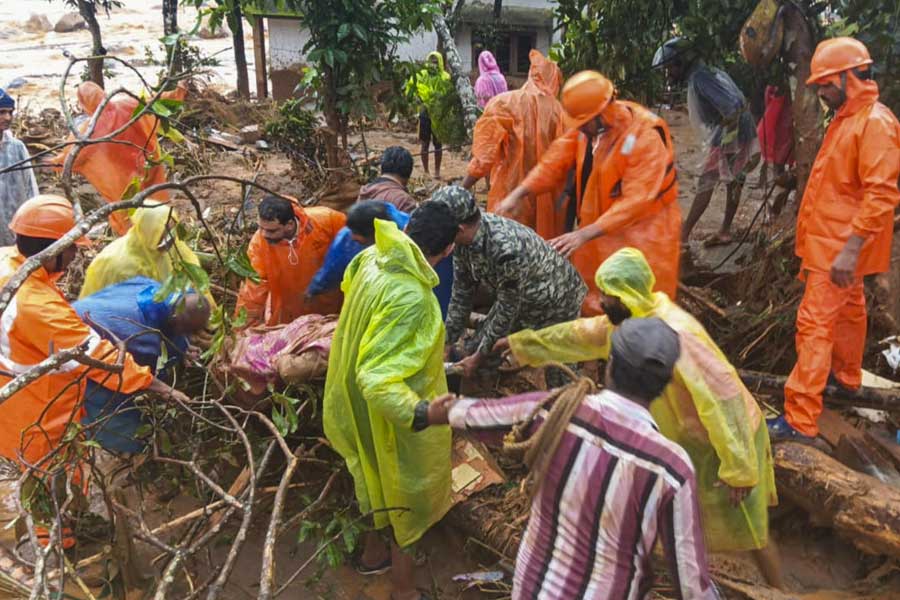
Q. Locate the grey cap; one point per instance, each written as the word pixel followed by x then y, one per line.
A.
pixel 647 345
pixel 459 200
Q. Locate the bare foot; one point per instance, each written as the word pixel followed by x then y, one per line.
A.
pixel 719 239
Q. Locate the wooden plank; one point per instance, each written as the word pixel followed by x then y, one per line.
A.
pixel 259 58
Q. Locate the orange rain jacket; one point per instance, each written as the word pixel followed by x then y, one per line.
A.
pixel 37 323
pixel 110 167
pixel 631 193
pixel 852 188
pixel 513 134
pixel 286 268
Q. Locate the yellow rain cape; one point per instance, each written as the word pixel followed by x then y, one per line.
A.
pixel 706 409
pixel 136 252
pixel 386 356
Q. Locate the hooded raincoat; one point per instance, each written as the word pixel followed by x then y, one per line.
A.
pixel 111 167
pixel 386 357
pixel 36 323
pixel 435 89
pixel 706 409
pixel 287 268
pixel 491 81
pixel 510 138
pixel 136 254
pixel 630 191
pixel 852 189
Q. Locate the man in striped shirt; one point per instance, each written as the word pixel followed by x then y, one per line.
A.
pixel 612 486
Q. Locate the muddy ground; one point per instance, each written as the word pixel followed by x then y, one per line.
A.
pixel 818 565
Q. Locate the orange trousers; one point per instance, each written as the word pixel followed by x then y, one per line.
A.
pixel 831 337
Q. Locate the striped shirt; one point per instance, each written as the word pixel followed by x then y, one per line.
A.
pixel 614 486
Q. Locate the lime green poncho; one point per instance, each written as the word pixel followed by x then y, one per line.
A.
pixel 435 90
pixel 706 408
pixel 386 356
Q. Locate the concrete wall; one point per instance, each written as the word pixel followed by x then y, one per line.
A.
pixel 286 40
pixel 285 43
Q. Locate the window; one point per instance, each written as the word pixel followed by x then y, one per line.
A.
pixel 510 48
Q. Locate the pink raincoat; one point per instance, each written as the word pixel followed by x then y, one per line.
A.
pixel 491 81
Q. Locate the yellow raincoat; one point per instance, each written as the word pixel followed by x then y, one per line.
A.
pixel 706 409
pixel 387 356
pixel 136 252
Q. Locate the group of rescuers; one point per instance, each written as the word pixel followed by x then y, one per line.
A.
pixel 673 449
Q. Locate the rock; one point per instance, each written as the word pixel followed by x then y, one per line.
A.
pixel 7 33
pixel 262 145
pixel 38 24
pixel 16 83
pixel 69 22
pixel 206 33
pixel 250 134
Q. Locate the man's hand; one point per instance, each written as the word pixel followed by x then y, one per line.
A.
pixel 470 364
pixel 439 409
pixel 157 386
pixel 509 206
pixel 843 269
pixel 568 243
pixel 502 345
pixel 738 494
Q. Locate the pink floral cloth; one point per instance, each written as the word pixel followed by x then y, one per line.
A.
pixel 491 81
pixel 254 355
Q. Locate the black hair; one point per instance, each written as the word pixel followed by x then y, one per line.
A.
pixel 361 216
pixel 432 227
pixel 273 208
pixel 634 382
pixel 29 246
pixel 397 160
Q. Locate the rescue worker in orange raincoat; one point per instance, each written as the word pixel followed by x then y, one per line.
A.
pixel 625 183
pixel 510 138
pixel 37 323
pixel 110 166
pixel 286 251
pixel 844 231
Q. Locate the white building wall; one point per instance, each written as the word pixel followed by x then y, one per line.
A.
pixel 286 41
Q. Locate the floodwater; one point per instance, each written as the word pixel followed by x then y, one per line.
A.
pixel 128 32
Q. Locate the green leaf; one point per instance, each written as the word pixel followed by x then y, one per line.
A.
pixel 134 186
pixel 239 263
pixel 343 31
pixel 197 276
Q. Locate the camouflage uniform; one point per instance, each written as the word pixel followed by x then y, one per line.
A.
pixel 534 285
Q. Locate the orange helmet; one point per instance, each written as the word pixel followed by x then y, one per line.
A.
pixel 836 55
pixel 46 216
pixel 584 96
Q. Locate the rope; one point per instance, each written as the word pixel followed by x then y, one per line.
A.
pixel 538 450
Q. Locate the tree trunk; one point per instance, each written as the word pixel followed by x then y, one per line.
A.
pixel 799 44
pixel 88 11
pixel 460 77
pixel 332 118
pixel 860 508
pixel 864 397
pixel 236 23
pixel 170 27
pixel 498 8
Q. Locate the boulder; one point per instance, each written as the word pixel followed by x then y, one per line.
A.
pixel 69 22
pixel 250 134
pixel 38 23
pixel 206 33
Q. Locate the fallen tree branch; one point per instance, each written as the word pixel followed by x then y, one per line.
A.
pixel 864 397
pixel 861 509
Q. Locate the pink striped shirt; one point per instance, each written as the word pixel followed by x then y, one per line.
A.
pixel 613 487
